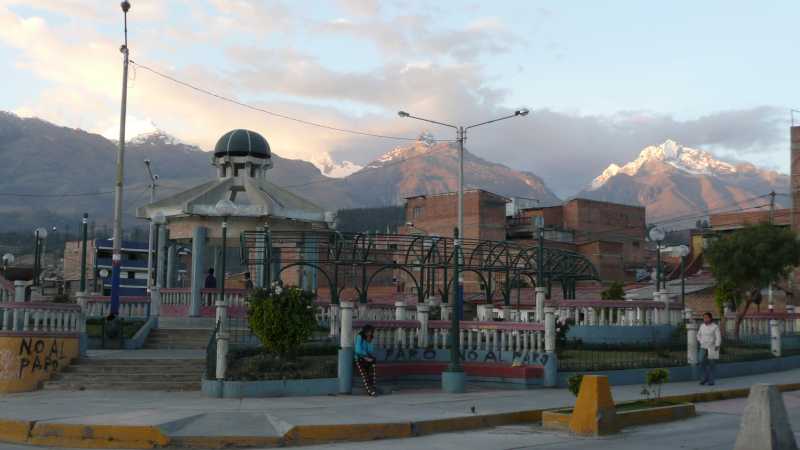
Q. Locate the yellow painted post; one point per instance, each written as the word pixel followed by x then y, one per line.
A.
pixel 594 413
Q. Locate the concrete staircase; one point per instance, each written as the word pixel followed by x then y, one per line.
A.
pixel 178 339
pixel 127 374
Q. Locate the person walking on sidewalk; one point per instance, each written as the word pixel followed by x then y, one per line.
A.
pixel 710 340
pixel 365 360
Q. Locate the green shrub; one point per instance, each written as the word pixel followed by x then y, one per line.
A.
pixel 655 378
pixel 614 292
pixel 574 384
pixel 282 319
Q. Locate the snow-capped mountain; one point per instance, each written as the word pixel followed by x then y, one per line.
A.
pixel 674 181
pixel 687 159
pixel 427 167
pixel 330 168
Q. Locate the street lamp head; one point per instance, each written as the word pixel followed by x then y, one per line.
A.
pixel 403 114
pixel 40 232
pixel 126 6
pixel 225 207
pixel 657 234
pixel 159 218
pixel 146 162
pixel 521 112
pixel 8 258
pixel 683 251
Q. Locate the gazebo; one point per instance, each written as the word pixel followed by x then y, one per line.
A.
pixel 193 218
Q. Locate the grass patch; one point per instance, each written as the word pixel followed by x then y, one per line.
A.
pixel 256 364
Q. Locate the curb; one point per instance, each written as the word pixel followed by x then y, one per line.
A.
pixel 113 436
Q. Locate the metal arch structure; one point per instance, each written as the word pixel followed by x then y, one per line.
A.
pixel 355 260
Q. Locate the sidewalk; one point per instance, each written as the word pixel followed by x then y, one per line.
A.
pixel 146 419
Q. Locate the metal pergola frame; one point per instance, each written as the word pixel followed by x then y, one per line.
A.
pixel 354 260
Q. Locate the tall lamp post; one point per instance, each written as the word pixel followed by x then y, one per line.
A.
pixel 683 252
pixel 39 235
pixel 116 258
pixel 225 208
pixel 453 379
pixel 151 241
pixel 657 235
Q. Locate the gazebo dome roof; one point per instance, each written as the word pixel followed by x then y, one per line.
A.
pixel 241 142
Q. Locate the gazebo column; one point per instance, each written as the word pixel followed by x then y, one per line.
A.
pixel 172 254
pixel 198 268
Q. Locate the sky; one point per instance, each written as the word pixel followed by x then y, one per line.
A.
pixel 602 79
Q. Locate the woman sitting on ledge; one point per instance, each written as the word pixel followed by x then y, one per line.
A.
pixel 365 361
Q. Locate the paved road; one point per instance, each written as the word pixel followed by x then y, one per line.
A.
pixel 714 428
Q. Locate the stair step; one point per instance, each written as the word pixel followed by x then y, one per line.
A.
pixel 152 386
pixel 88 379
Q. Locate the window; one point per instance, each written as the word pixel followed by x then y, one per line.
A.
pixel 636 244
pixel 131 275
pixel 417 212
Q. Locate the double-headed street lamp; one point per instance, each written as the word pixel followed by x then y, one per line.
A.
pixel 453 379
pixel 151 241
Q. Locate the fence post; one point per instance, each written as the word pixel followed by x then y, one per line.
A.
pixel 691 346
pixel 19 291
pixel 551 366
pixel 422 317
pixel 775 338
pixel 345 373
pixel 540 296
pixel 155 301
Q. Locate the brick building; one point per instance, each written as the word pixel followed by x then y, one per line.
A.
pixel 611 235
pixel 484 215
pixel 735 220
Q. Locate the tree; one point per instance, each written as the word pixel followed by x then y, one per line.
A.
pixel 748 260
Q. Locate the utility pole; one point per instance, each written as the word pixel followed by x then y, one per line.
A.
pixel 151 244
pixel 116 259
pixel 85 230
pixel 770 303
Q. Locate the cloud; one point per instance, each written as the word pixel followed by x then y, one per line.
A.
pixel 451 84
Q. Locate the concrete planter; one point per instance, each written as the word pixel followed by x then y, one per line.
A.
pixel 270 388
pixel 558 419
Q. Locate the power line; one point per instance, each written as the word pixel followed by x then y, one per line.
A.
pixel 273 113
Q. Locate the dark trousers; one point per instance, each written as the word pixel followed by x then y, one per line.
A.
pixel 368 372
pixel 708 366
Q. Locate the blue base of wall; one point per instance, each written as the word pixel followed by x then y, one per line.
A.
pixel 621 335
pixel 690 373
pixel 273 388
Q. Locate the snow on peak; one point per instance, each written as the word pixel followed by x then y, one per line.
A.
pixel 330 168
pixel 686 159
pixel 154 138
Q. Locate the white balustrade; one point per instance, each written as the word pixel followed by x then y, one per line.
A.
pixel 129 307
pixel 41 318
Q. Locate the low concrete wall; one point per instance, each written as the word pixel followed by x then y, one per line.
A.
pixel 686 373
pixel 272 388
pixel 27 359
pixel 138 340
pixel 621 335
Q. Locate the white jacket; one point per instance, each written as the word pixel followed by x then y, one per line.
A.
pixel 710 339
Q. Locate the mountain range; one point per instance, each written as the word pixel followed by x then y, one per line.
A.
pixel 679 184
pixel 52 174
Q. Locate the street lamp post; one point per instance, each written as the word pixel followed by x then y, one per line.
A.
pixel 657 235
pixel 85 233
pixel 683 252
pixel 225 208
pixel 150 241
pixel 453 379
pixel 39 235
pixel 116 258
